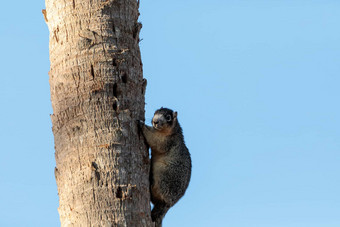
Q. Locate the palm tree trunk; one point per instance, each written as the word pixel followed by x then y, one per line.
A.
pixel 97 94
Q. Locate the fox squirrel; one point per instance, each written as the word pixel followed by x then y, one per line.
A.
pixel 170 162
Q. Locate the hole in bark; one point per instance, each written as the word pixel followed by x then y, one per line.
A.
pixel 115 106
pixel 97 174
pixel 76 128
pixel 124 78
pixel 92 72
pixel 114 90
pixel 119 193
pixel 94 165
pixel 111 89
pixel 113 28
pixel 114 62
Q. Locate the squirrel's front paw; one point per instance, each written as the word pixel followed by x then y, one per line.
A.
pixel 140 124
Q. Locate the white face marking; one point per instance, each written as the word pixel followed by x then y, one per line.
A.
pixel 159 119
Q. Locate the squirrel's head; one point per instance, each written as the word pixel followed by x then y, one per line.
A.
pixel 164 120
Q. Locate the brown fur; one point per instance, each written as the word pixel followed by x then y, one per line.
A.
pixel 170 162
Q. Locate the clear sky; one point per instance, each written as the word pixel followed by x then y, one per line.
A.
pixel 256 84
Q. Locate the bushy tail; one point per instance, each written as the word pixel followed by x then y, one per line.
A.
pixel 158 212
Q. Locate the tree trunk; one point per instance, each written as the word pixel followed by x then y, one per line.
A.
pixel 97 94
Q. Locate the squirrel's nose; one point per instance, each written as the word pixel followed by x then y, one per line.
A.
pixel 156 122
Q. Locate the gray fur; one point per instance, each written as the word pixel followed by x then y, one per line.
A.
pixel 170 162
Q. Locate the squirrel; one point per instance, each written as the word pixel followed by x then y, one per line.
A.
pixel 170 162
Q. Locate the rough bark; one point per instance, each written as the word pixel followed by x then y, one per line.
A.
pixel 97 94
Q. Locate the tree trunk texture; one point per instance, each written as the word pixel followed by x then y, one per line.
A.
pixel 97 94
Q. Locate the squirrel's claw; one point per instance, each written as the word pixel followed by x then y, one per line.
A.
pixel 140 124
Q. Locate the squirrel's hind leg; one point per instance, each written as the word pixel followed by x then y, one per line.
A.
pixel 158 212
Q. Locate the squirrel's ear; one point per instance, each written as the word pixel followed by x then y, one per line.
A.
pixel 175 114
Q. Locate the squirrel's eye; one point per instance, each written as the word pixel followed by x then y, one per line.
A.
pixel 168 117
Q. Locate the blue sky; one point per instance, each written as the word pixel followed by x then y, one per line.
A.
pixel 255 83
